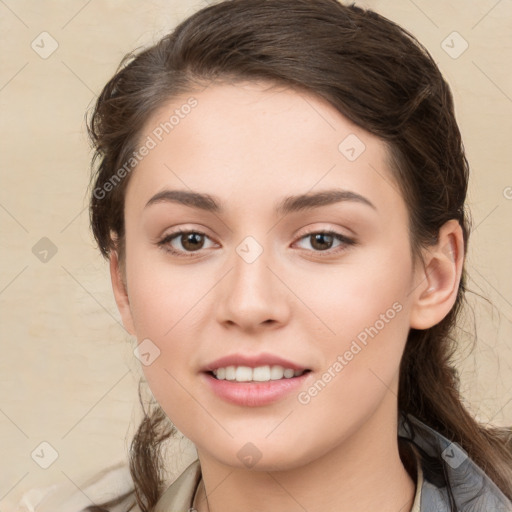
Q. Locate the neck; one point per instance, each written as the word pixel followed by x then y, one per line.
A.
pixel 361 474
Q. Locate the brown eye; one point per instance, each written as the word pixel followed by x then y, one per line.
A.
pixel 183 243
pixel 192 241
pixel 321 241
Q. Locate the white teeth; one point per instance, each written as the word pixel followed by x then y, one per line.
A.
pixel 276 372
pixel 288 373
pixel 243 374
pixel 230 373
pixel 261 373
pixel 258 374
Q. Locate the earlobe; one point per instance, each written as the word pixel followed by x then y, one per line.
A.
pixel 121 293
pixel 437 281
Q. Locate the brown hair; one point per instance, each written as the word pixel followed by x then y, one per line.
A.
pixel 377 75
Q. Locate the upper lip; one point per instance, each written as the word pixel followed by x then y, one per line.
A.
pixel 252 361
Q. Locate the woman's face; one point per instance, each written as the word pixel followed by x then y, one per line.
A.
pixel 255 284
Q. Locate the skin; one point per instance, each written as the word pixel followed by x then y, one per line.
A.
pixel 250 145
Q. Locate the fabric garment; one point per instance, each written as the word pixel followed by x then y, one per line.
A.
pixel 66 497
pixel 452 482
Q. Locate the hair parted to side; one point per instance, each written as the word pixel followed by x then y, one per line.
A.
pixel 377 75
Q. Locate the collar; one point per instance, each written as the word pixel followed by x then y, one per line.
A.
pixel 451 480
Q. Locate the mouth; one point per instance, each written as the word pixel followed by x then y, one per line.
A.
pixel 265 373
pixel 254 380
pixel 255 386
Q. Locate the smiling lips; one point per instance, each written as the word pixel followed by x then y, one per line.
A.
pixel 261 367
pixel 253 380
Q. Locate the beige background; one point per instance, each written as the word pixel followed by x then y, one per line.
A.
pixel 67 373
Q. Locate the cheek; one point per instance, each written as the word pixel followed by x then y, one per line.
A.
pixel 365 306
pixel 162 296
pixel 165 301
pixel 368 312
pixel 370 290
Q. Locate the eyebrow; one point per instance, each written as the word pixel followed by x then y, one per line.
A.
pixel 287 205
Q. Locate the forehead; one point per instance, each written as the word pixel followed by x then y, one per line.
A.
pixel 258 140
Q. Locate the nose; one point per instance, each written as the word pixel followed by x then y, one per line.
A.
pixel 253 294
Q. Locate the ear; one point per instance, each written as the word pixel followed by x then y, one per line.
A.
pixel 437 279
pixel 121 293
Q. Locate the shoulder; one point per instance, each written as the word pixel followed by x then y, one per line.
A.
pixel 68 497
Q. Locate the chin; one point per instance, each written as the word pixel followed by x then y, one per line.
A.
pixel 264 455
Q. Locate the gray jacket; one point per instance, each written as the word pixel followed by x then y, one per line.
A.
pixel 452 482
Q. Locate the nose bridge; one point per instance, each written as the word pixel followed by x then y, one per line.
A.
pixel 252 293
pixel 251 277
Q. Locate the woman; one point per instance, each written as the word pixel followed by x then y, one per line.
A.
pixel 280 194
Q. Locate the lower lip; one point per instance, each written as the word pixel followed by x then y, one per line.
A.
pixel 254 394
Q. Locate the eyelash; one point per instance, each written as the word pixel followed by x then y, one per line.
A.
pixel 164 243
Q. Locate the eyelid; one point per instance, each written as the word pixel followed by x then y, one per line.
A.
pixel 325 229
